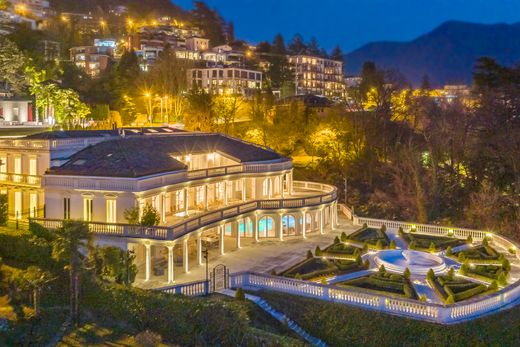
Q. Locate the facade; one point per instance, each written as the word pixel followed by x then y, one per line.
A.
pixel 94 60
pixel 318 76
pixel 16 111
pixel 226 80
pixel 208 189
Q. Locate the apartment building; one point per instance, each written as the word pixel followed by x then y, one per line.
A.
pixel 226 80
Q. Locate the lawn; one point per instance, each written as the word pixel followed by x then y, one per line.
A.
pixel 383 283
pixel 481 254
pixel 424 242
pixel 343 325
pixel 458 288
pixel 370 236
pixel 316 267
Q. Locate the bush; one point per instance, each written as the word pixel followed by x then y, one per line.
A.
pixel 485 242
pixel 412 245
pixel 379 245
pixel 432 247
pixel 309 254
pixel 365 248
pixel 365 225
pixel 400 231
pixel 449 300
pixel 317 251
pixel 469 239
pixel 506 265
pixel 382 269
pixel 464 268
pixel 383 228
pixel 512 250
pixel 336 240
pixel 430 275
pixel 240 295
pixel 3 209
pixel 493 286
pixel 359 260
pixel 324 281
pixel 273 272
pixel 461 257
pixel 451 274
pixel 392 245
pixel 502 279
pixel 407 273
pixel 449 251
pixel 297 276
pixel 366 264
pixel 422 298
pixel 150 216
pixel 344 237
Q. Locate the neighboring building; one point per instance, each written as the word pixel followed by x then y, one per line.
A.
pixel 85 24
pixel 318 76
pixel 94 60
pixel 36 9
pixel 223 80
pixel 208 189
pixel 16 111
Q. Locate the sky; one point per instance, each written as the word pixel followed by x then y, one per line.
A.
pixel 353 23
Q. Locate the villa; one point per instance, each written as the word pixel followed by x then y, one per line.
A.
pixel 209 190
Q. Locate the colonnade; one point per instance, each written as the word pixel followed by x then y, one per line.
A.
pixel 252 227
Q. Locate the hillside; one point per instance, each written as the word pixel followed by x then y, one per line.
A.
pixel 446 54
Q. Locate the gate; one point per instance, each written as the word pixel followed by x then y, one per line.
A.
pixel 219 278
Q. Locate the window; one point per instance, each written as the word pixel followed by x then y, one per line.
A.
pixel 33 205
pixel 66 208
pixel 33 167
pixel 265 187
pixel 18 165
pixel 3 164
pixel 111 211
pixel 87 209
pixel 18 205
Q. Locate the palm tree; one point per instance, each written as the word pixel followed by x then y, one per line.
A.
pixel 34 279
pixel 70 239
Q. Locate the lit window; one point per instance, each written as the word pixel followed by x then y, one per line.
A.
pixel 111 211
pixel 87 209
pixel 18 205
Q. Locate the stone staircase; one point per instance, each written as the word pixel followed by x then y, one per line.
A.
pixel 279 316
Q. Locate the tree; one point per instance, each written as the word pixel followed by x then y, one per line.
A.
pixel 199 115
pixel 240 295
pixel 392 244
pixel 118 264
pixel 35 279
pixel 337 53
pixel 225 109
pixel 309 254
pixel 317 251
pixel 132 215
pixel 344 237
pixel 69 240
pixel 3 208
pixel 150 217
pixel 297 45
pixel 211 23
pixel 12 65
pixel 407 273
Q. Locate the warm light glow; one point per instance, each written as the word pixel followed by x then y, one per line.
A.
pixel 64 18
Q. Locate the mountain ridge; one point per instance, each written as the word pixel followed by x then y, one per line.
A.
pixel 446 54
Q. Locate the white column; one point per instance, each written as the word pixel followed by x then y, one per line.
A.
pixel 225 193
pixel 253 195
pixel 206 189
pixel 221 233
pixel 331 208
pixel 163 206
pixel 280 226
pixel 238 232
pixel 270 186
pixel 291 191
pixel 303 226
pixel 255 227
pixel 243 189
pixel 171 264
pixel 185 255
pixel 199 249
pixel 148 264
pixel 321 221
pixel 282 193
pixel 186 202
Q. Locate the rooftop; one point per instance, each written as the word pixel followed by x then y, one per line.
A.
pixel 73 134
pixel 138 156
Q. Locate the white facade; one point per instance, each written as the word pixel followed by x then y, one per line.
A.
pixel 17 111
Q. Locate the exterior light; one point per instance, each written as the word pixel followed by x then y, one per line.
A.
pixel 489 235
pixel 64 18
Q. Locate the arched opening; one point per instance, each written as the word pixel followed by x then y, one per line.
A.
pixel 266 187
pixel 276 185
pixel 289 225
pixel 266 227
pixel 308 223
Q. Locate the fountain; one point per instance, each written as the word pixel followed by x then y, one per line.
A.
pixel 418 262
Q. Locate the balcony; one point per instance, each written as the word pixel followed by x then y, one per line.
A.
pixel 20 179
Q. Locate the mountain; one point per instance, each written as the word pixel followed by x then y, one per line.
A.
pixel 447 54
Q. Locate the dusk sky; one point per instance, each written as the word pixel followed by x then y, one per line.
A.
pixel 352 23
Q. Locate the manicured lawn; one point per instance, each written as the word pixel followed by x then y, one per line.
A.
pixel 318 267
pixel 342 250
pixel 460 289
pixel 371 236
pixel 480 253
pixel 384 283
pixel 491 272
pixel 423 242
pixel 343 325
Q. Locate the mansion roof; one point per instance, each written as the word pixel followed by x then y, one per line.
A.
pixel 138 156
pixel 72 134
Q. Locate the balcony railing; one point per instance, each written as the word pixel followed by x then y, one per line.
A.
pixel 325 194
pixel 20 179
pixel 146 183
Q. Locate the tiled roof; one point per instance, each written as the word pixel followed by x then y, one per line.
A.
pixel 70 134
pixel 137 156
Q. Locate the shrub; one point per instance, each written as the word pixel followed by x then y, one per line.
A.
pixel 407 273
pixel 344 237
pixel 317 251
pixel 449 300
pixel 461 256
pixel 512 250
pixel 464 268
pixel 400 231
pixel 493 286
pixel 392 245
pixel 298 276
pixel 366 264
pixel 383 228
pixel 451 274
pixel 365 247
pixel 449 251
pixel 336 240
pixel 422 298
pixel 485 242
pixel 273 272
pixel 3 209
pixel 359 260
pixel 413 229
pixel 309 254
pixel 324 281
pixel 469 239
pixel 506 265
pixel 502 279
pixel 150 216
pixel 394 277
pixel 430 275
pixel 365 225
pixel 379 245
pixel 432 247
pixel 408 292
pixel 382 269
pixel 412 245
pixel 240 295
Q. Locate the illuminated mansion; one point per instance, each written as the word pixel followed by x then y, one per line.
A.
pixel 209 190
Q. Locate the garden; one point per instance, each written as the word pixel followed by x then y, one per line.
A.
pixel 429 243
pixel 453 289
pixel 384 282
pixel 372 237
pixel 483 253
